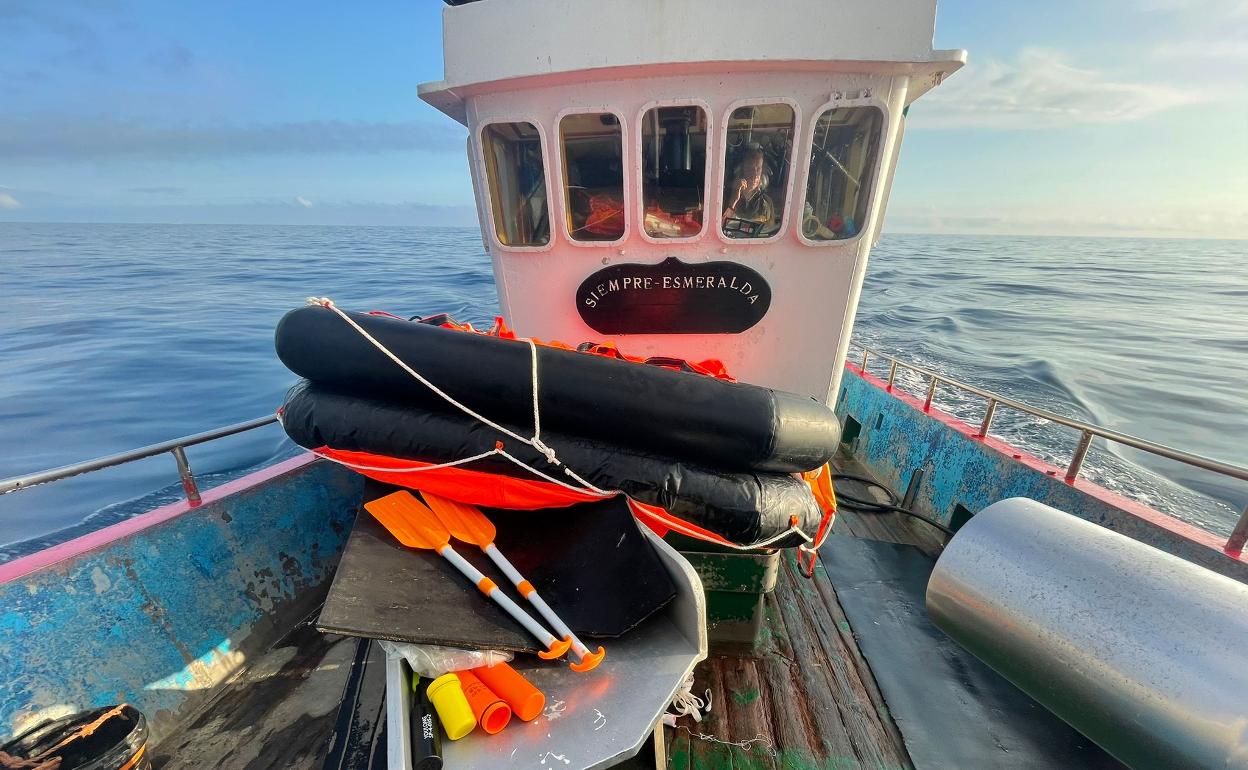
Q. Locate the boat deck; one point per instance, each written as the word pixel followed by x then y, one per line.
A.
pixel 805 699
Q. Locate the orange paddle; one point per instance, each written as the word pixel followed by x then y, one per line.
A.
pixel 415 526
pixel 469 524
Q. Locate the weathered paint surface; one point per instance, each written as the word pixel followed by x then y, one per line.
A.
pixel 898 436
pixel 170 607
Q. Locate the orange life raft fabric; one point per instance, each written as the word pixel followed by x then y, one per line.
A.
pixel 493 490
pixel 711 367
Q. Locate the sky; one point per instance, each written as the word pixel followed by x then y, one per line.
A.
pixel 1116 117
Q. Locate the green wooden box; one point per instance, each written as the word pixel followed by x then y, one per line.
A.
pixel 735 584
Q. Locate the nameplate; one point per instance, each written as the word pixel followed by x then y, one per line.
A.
pixel 673 297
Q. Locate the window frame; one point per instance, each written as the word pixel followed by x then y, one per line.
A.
pixel 794 151
pixel 809 149
pixel 482 125
pixel 624 163
pixel 712 145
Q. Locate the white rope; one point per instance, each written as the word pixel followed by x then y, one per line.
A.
pixel 380 469
pixel 686 704
pixel 328 303
pixel 588 489
pixel 744 745
pixel 463 461
pixel 536 442
pixel 678 526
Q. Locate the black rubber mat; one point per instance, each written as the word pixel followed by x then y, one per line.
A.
pixel 590 562
pixel 953 711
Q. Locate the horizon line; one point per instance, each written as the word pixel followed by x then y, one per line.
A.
pixel 942 233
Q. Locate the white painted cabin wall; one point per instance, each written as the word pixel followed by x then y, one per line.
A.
pixel 800 343
pixel 498 39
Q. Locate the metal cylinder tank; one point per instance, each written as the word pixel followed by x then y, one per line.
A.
pixel 1142 652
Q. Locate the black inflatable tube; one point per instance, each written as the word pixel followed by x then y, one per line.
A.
pixel 742 507
pixel 727 425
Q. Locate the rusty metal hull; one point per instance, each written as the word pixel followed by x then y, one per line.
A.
pixel 1139 650
pixel 159 610
pixel 892 435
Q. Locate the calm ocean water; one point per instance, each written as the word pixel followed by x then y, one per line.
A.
pixel 116 336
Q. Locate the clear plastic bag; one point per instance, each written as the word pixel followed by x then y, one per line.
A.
pixel 432 661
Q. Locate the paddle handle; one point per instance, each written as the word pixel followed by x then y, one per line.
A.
pixel 488 588
pixel 527 590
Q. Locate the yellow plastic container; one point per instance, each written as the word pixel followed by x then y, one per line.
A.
pixel 449 701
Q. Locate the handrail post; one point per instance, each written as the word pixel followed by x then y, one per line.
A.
pixel 931 393
pixel 892 372
pixel 1081 451
pixel 989 413
pixel 865 354
pixel 1239 536
pixel 188 478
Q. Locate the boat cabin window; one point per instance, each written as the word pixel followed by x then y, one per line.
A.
pixel 842 167
pixel 758 147
pixel 593 176
pixel 517 181
pixel 673 162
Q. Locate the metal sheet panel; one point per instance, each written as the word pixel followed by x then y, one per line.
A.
pixel 952 710
pixel 1137 649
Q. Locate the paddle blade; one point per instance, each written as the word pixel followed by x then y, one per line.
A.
pixel 464 522
pixel 409 520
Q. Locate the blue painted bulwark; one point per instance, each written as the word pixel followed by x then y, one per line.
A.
pixel 896 438
pixel 162 616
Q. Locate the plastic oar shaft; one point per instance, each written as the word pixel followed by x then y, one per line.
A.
pixel 502 599
pixel 561 628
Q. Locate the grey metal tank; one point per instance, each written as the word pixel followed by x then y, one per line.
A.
pixel 1142 652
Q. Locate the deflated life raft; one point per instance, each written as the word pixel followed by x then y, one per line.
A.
pixel 723 424
pixel 491 420
pixel 395 443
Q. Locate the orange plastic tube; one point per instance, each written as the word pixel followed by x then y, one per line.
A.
pixel 491 712
pixel 526 701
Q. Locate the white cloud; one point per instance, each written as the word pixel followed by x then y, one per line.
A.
pixel 9 202
pixel 302 201
pixel 1188 222
pixel 1203 49
pixel 1212 8
pixel 54 137
pixel 1041 90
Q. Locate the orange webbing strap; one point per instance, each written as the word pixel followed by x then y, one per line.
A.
pixel 820 483
pixel 663 522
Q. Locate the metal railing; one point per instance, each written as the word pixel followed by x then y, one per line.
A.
pixel 1087 431
pixel 176 447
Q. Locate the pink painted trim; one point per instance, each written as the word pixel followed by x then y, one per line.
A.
pixel 10 571
pixel 1126 505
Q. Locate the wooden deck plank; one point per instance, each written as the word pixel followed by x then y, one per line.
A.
pixel 808 691
pixel 807 694
pixel 850 641
pixel 858 712
pixel 752 710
